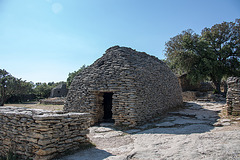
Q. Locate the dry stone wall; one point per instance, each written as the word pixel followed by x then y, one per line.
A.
pixel 59 91
pixel 233 95
pixel 39 134
pixel 53 101
pixel 143 87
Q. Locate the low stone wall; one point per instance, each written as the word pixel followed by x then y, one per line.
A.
pixel 39 134
pixel 233 95
pixel 53 101
pixel 189 95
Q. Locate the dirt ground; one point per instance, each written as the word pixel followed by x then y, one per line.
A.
pixel 37 105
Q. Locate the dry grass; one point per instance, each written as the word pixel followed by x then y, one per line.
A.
pixel 37 105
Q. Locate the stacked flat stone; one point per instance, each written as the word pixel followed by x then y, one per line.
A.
pixel 233 96
pixel 39 134
pixel 143 87
pixel 53 101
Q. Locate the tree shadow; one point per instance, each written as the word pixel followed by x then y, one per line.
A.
pixel 86 154
pixel 189 120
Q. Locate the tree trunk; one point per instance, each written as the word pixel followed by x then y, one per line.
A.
pixel 1 101
pixel 217 84
pixel 225 88
pixel 2 96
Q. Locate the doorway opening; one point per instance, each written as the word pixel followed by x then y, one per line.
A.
pixel 107 107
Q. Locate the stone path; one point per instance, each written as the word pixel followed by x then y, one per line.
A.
pixel 190 133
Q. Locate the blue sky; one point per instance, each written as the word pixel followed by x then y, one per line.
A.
pixel 44 40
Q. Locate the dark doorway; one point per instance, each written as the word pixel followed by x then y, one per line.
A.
pixel 107 104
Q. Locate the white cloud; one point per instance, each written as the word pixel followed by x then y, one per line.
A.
pixel 56 8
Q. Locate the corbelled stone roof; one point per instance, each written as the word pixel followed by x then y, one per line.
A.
pixel 142 86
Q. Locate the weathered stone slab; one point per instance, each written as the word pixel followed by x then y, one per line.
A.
pixel 165 124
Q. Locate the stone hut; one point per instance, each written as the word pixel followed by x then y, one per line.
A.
pixel 126 86
pixel 59 91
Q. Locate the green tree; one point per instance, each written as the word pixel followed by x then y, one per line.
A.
pixel 11 86
pixel 51 83
pixel 5 79
pixel 213 55
pixel 181 51
pixel 42 90
pixel 71 75
pixel 224 46
pixel 21 90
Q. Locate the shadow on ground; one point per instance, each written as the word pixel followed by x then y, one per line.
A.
pixel 157 139
pixel 87 154
pixel 194 118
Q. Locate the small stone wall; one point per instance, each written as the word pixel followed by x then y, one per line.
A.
pixel 233 95
pixel 186 84
pixel 189 95
pixel 39 134
pixel 53 101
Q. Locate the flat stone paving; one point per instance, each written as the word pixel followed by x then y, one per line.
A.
pixel 195 132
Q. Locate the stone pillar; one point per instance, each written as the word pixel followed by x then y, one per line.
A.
pixel 233 96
